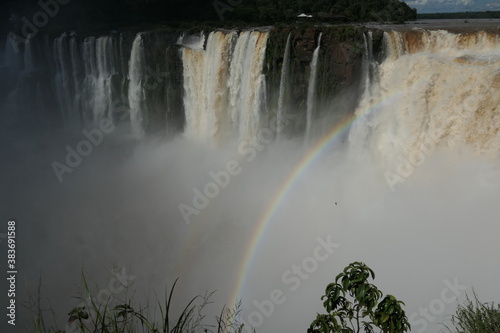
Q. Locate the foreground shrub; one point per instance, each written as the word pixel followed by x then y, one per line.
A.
pixel 103 317
pixel 475 317
pixel 363 310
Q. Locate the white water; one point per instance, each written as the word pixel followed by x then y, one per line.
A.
pixel 29 65
pixel 415 190
pixel 312 89
pixel 90 80
pixel 102 92
pixel 441 223
pixel 84 74
pixel 205 81
pixel 370 67
pixel 136 93
pixel 76 61
pixel 283 85
pixel 223 86
pixel 64 82
pixel 196 42
pixel 428 90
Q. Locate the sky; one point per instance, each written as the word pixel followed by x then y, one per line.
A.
pixel 442 6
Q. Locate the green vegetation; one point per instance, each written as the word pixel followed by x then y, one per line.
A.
pixel 99 15
pixel 269 12
pixel 460 15
pixel 103 317
pixel 475 317
pixel 352 302
pixel 364 311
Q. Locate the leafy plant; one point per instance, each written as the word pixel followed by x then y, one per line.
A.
pixel 475 317
pixel 99 316
pixel 352 303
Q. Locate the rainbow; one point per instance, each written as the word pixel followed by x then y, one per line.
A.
pixel 312 154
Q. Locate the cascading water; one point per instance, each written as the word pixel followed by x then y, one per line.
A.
pixel 136 94
pixel 65 90
pixel 283 85
pixel 104 77
pixel 11 58
pixel 105 70
pixel 19 66
pixel 85 78
pixel 311 90
pixel 77 72
pixel 29 65
pixel 223 86
pixel 91 74
pixel 245 82
pixel 433 84
pixel 370 66
pixel 196 42
pixel 368 86
pixel 224 94
pixel 92 79
pixel 205 86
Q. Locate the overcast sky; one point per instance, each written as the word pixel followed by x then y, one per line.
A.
pixel 436 6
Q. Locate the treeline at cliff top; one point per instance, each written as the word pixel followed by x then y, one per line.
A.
pixel 461 15
pixel 110 14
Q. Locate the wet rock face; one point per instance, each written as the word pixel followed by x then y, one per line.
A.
pixel 343 61
pixel 340 55
pixel 304 45
pixel 339 65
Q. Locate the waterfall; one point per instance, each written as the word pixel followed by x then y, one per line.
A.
pixel 29 65
pixel 205 78
pixel 368 86
pixel 25 101
pixel 103 77
pixel 136 94
pixel 369 66
pixel 434 89
pixel 283 83
pixel 222 97
pixel 90 80
pixel 76 65
pixel 222 205
pixel 11 58
pixel 245 83
pixel 311 90
pixel 65 90
pixel 223 86
pixel 105 69
pixel 195 42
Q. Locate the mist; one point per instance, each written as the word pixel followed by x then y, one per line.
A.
pixel 390 191
pixel 120 207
